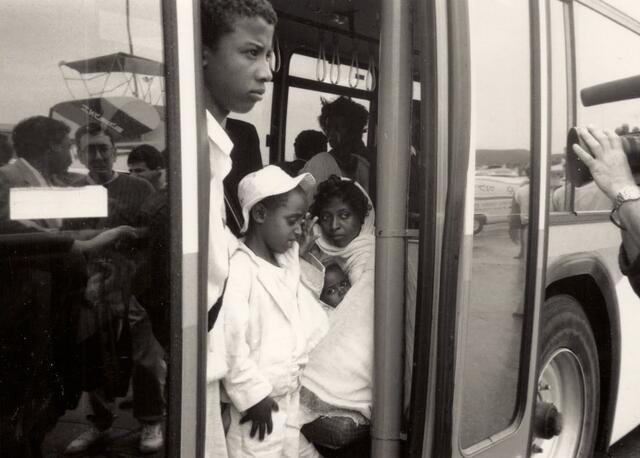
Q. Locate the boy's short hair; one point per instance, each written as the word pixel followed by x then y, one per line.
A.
pixel 218 17
pixel 308 143
pixel 32 137
pixel 147 154
pixel 355 115
pixel 93 129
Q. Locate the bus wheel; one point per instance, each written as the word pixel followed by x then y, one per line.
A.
pixel 568 394
pixel 478 224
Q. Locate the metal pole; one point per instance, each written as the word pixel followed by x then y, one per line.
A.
pixel 394 105
pixel 135 79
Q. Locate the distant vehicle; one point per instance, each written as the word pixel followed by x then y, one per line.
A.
pixel 493 196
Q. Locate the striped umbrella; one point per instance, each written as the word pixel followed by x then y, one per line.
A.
pixel 127 118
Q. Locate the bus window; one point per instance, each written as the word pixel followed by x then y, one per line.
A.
pixel 84 244
pixel 494 327
pixel 599 62
pixel 303 109
pixel 304 104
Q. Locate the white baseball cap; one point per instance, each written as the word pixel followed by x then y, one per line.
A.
pixel 269 181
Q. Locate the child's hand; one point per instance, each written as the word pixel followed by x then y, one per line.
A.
pixel 260 416
pixel 307 237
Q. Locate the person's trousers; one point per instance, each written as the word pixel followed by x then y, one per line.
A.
pixel 149 373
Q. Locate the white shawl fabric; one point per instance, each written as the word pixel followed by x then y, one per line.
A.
pixel 340 367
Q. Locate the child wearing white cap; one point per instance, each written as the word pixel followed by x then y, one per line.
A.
pixel 266 314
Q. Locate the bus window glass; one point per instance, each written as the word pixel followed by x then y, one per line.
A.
pixel 343 75
pixel 303 109
pixel 559 106
pixel 502 155
pixel 84 228
pixel 599 61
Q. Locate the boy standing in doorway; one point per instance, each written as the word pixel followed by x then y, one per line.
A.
pixel 236 48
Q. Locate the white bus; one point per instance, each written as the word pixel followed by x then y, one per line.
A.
pixel 482 348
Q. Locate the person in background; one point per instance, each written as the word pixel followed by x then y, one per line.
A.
pixel 126 194
pixel 344 122
pixel 42 147
pixel 41 290
pixel 307 144
pixel 519 215
pixel 146 162
pixel 152 280
pixel 109 286
pixel 6 150
pixel 237 37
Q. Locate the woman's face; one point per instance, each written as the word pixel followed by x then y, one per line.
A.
pixel 339 224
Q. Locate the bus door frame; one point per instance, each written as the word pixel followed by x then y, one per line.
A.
pixel 446 412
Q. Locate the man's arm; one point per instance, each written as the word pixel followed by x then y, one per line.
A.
pixel 610 170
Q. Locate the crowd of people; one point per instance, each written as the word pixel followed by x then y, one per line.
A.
pixel 290 271
pixel 88 299
pixel 291 301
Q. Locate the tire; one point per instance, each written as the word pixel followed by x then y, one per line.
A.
pixel 568 377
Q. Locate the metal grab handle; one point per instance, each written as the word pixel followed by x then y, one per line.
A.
pixel 354 79
pixel 370 79
pixel 335 63
pixel 275 63
pixel 321 63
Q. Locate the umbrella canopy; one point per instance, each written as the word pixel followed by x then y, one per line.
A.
pixel 118 62
pixel 127 118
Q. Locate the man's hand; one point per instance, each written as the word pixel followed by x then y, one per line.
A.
pixel 105 240
pixel 607 162
pixel 260 416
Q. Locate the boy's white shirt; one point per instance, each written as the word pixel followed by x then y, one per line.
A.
pixel 222 244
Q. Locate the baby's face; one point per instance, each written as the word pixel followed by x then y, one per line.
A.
pixel 336 285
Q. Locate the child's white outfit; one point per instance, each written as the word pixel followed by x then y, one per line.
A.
pixel 268 332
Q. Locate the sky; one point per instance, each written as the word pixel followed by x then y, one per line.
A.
pixel 67 30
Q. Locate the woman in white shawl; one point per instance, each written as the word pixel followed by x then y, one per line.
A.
pixel 337 382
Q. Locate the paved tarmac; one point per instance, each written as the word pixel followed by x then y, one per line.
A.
pixel 121 443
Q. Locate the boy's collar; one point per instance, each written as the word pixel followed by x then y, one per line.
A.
pixel 217 133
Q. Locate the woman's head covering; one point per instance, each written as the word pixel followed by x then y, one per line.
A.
pixel 359 254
